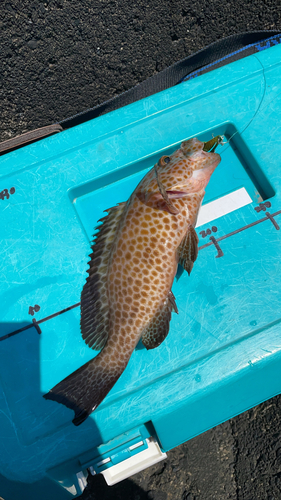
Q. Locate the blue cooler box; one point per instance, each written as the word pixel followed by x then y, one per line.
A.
pixel 223 353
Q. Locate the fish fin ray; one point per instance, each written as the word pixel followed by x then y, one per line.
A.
pixel 158 328
pixel 94 321
pixel 188 250
pixel 172 299
pixel 83 390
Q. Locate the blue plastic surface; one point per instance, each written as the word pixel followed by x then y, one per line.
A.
pixel 223 352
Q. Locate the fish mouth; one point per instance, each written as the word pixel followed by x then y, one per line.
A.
pixel 213 159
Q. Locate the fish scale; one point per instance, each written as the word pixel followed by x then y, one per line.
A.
pixel 136 252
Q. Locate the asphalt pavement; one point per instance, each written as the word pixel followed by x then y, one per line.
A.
pixel 60 57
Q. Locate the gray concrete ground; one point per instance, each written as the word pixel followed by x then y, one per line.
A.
pixel 59 57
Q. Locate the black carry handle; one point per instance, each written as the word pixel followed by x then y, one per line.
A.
pixel 217 54
pixel 174 74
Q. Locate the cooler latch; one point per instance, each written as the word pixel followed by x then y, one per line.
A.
pixel 124 456
pixel 139 461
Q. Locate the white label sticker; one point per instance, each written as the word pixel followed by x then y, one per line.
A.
pixel 222 206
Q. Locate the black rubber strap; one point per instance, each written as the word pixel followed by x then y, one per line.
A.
pixel 216 52
pixel 215 55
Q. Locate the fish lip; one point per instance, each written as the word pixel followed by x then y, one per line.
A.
pixel 199 153
pixel 176 193
pixel 214 160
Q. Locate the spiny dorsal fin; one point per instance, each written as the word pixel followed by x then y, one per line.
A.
pixel 188 250
pixel 94 301
pixel 158 328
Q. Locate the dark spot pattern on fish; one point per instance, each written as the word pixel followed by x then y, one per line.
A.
pixel 134 260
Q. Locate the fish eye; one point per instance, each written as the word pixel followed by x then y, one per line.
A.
pixel 164 160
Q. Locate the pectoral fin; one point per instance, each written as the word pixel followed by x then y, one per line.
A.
pixel 188 250
pixel 158 328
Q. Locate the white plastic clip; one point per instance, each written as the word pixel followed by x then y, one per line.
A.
pixel 150 456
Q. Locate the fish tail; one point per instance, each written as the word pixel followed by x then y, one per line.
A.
pixel 84 389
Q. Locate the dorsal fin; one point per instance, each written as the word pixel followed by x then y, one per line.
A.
pixel 94 300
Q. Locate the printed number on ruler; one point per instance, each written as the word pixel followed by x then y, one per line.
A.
pixel 34 309
pixel 263 206
pixel 5 194
pixel 208 231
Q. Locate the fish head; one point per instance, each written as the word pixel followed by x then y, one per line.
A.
pixel 189 168
pixel 201 161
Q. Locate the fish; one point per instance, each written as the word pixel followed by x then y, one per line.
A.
pixel 135 255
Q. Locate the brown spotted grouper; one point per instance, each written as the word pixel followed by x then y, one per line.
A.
pixel 136 252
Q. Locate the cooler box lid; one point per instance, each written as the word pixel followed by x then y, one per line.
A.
pixel 223 352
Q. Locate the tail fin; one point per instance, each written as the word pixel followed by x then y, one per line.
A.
pixel 85 389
